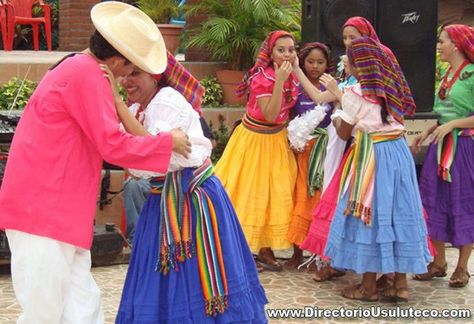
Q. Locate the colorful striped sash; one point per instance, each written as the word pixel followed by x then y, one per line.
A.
pixel 358 175
pixel 316 160
pixel 447 151
pixel 261 127
pixel 178 191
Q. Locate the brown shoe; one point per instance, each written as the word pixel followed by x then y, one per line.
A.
pixel 358 292
pixel 267 260
pixel 385 281
pixel 459 278
pixel 395 295
pixel 258 266
pixel 434 271
pixel 327 273
pixel 293 263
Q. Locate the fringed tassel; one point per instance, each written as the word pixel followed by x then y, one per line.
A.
pixel 316 161
pixel 216 305
pixel 179 252
pixel 444 173
pixel 358 210
pixel 318 184
pixel 167 260
pixel 350 208
pixel 170 257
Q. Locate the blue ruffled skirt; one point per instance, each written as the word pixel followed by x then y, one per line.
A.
pixel 151 297
pixel 397 239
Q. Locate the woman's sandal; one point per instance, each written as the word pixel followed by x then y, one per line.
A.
pixel 259 267
pixel 392 294
pixel 434 270
pixel 292 263
pixel 358 292
pixel 268 262
pixel 385 281
pixel 459 278
pixel 326 273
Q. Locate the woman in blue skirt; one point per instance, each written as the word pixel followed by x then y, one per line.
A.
pixel 378 226
pixel 190 261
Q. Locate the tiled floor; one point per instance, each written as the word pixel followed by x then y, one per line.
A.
pixel 285 290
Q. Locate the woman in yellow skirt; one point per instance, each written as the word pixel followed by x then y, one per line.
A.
pixel 314 61
pixel 257 168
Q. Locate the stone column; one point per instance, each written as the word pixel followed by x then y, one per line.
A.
pixel 75 25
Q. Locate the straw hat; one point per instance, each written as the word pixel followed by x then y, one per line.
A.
pixel 132 33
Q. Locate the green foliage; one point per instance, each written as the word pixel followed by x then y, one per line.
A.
pixel 441 68
pixel 234 29
pixel 9 91
pixel 213 94
pixel 221 136
pixel 160 11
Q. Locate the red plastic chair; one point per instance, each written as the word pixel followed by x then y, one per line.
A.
pixel 19 12
pixel 3 25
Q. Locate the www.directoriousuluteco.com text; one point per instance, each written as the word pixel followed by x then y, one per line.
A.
pixel 367 312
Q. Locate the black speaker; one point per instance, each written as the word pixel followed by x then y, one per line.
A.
pixel 323 19
pixel 408 27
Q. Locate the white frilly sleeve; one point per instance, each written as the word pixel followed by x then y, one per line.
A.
pixel 351 105
pixel 169 110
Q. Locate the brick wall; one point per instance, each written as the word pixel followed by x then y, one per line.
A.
pixel 75 25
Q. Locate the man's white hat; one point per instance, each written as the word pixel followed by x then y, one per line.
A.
pixel 132 33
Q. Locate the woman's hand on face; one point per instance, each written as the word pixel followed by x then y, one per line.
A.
pixel 440 132
pixel 283 71
pixel 113 84
pixel 296 63
pixel 329 82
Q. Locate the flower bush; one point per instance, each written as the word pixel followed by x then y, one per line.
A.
pixel 213 95
pixel 16 88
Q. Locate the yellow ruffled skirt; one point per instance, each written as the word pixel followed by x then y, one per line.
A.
pixel 303 203
pixel 258 172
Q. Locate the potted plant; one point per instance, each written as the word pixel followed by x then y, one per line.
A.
pixel 161 12
pixel 234 30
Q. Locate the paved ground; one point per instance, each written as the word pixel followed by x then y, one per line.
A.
pixel 285 290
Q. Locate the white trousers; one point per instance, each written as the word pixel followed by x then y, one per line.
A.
pixel 52 281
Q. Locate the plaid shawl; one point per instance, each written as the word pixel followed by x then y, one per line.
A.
pixel 377 75
pixel 366 29
pixel 179 78
pixel 463 37
pixel 308 47
pixel 263 60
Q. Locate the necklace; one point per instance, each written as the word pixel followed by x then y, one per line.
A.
pixel 446 85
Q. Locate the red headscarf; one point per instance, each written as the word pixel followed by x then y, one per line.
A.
pixel 263 60
pixel 463 37
pixel 366 29
pixel 363 26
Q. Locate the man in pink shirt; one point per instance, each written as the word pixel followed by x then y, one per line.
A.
pixel 49 191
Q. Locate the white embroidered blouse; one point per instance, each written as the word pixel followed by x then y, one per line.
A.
pixel 169 110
